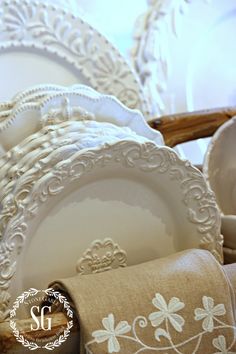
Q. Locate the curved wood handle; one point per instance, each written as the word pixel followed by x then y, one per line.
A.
pixel 182 127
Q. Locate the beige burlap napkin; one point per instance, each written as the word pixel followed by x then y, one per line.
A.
pixel 181 304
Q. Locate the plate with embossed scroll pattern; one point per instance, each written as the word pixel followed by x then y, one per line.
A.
pixel 75 103
pixel 42 43
pixel 140 196
pixel 67 137
pixel 37 93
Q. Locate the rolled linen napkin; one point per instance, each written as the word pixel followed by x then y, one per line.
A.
pixel 181 304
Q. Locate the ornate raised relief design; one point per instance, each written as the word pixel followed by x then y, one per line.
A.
pixel 34 97
pixel 36 93
pixel 59 141
pixel 34 189
pixel 70 103
pixel 151 54
pixel 101 256
pixel 28 24
pixel 64 113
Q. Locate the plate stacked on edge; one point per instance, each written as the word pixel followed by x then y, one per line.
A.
pixel 79 168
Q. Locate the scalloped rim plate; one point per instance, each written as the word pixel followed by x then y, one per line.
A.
pixel 31 116
pixel 47 30
pixel 35 149
pixel 142 196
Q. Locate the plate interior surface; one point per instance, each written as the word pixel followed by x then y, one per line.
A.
pixel 137 211
pixel 34 67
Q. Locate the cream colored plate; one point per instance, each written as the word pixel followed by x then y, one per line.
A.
pixel 143 197
pixel 42 43
pixel 35 94
pixel 220 170
pixel 57 140
pixel 28 117
pixel 220 166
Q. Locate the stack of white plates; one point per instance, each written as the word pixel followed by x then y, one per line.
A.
pixel 78 167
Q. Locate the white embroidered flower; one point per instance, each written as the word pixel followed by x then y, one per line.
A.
pixel 209 313
pixel 167 311
pixel 111 332
pixel 220 343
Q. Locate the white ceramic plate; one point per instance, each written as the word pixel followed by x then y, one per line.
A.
pixel 36 94
pixel 52 135
pixel 57 140
pixel 29 117
pixel 42 43
pixel 220 166
pixel 143 197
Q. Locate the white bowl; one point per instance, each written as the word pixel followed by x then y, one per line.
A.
pixel 220 167
pixel 220 171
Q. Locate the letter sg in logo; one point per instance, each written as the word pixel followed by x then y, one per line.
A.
pixel 40 325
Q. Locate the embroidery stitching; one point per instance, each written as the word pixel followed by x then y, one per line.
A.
pixel 165 315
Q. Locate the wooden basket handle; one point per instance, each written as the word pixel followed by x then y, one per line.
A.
pixel 183 127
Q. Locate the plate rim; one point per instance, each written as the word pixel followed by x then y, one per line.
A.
pixel 69 101
pixel 192 185
pixel 18 37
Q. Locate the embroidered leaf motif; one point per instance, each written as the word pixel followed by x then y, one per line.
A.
pixel 209 313
pixel 110 333
pixel 160 332
pixel 220 343
pixel 167 312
